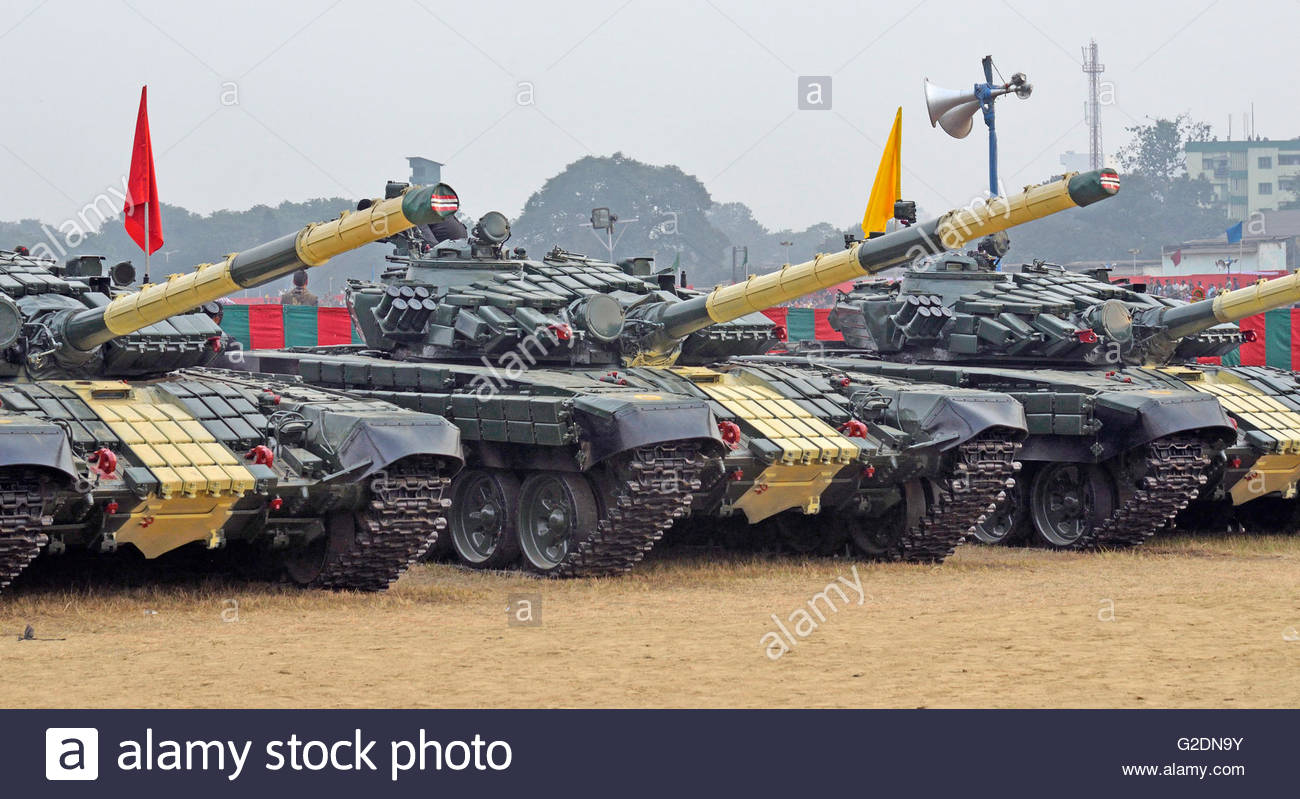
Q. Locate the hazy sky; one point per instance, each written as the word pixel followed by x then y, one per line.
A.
pixel 329 96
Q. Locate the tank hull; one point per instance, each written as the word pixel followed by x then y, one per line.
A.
pixel 767 446
pixel 185 462
pixel 618 457
pixel 1141 449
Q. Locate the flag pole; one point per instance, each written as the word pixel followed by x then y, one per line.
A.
pixel 146 242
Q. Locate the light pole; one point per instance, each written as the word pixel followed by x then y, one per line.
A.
pixel 736 251
pixel 603 219
pixel 1134 252
pixel 787 245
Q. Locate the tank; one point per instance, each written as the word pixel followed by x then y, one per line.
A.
pixel 595 412
pixel 1121 436
pixel 115 431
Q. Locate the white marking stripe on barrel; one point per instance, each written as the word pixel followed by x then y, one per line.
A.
pixel 444 202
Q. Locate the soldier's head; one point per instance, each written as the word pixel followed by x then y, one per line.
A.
pixel 214 310
pixel 300 279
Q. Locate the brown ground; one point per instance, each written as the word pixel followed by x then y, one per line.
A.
pixel 1197 622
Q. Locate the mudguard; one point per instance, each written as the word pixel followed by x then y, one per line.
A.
pixel 27 441
pixel 611 425
pixel 1133 418
pixel 954 418
pixel 374 443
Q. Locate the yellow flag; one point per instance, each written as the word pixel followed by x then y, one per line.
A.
pixel 889 182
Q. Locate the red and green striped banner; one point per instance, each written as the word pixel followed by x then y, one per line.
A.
pixel 805 324
pixel 271 326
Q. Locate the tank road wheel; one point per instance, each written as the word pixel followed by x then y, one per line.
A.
pixel 1008 524
pixel 883 538
pixel 803 534
pixel 554 508
pixel 1069 501
pixel 484 518
pixel 306 564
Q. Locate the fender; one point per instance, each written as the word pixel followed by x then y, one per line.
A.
pixel 1133 418
pixel 957 416
pixel 31 442
pixel 374 443
pixel 612 424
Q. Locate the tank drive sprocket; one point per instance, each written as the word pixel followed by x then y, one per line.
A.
pixel 1169 476
pixel 369 549
pixel 21 541
pixel 981 471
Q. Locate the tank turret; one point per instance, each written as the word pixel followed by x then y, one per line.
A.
pixel 958 307
pixel 473 297
pixel 68 322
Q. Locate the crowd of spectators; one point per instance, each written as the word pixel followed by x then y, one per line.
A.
pixel 821 299
pixel 1188 290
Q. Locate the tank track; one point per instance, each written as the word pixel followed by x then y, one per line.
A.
pixel 21 503
pixel 651 490
pixel 983 470
pixel 405 514
pixel 1173 476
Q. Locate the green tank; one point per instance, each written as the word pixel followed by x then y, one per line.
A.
pixel 595 412
pixel 115 432
pixel 1122 435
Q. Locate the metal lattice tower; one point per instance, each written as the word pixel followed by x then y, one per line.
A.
pixel 1092 110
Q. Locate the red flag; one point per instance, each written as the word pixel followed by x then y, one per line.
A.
pixel 142 187
pixel 1177 257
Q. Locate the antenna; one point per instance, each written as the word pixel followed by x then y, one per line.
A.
pixel 1092 111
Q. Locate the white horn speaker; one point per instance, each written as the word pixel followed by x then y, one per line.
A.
pixel 951 109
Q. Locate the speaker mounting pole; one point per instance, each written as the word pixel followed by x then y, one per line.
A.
pixel 984 91
pixel 952 110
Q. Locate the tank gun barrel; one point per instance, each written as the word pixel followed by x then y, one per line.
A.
pixel 950 231
pixel 1230 306
pixel 312 246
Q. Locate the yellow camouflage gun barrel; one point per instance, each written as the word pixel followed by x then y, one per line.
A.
pixel 950 231
pixel 1181 321
pixel 312 246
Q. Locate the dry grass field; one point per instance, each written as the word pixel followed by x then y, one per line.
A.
pixel 1183 622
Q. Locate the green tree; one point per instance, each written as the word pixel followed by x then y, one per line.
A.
pixel 662 213
pixel 1158 151
pixel 1159 204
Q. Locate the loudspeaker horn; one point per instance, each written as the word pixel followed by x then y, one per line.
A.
pixel 951 109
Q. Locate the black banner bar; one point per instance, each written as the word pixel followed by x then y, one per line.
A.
pixel 665 753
